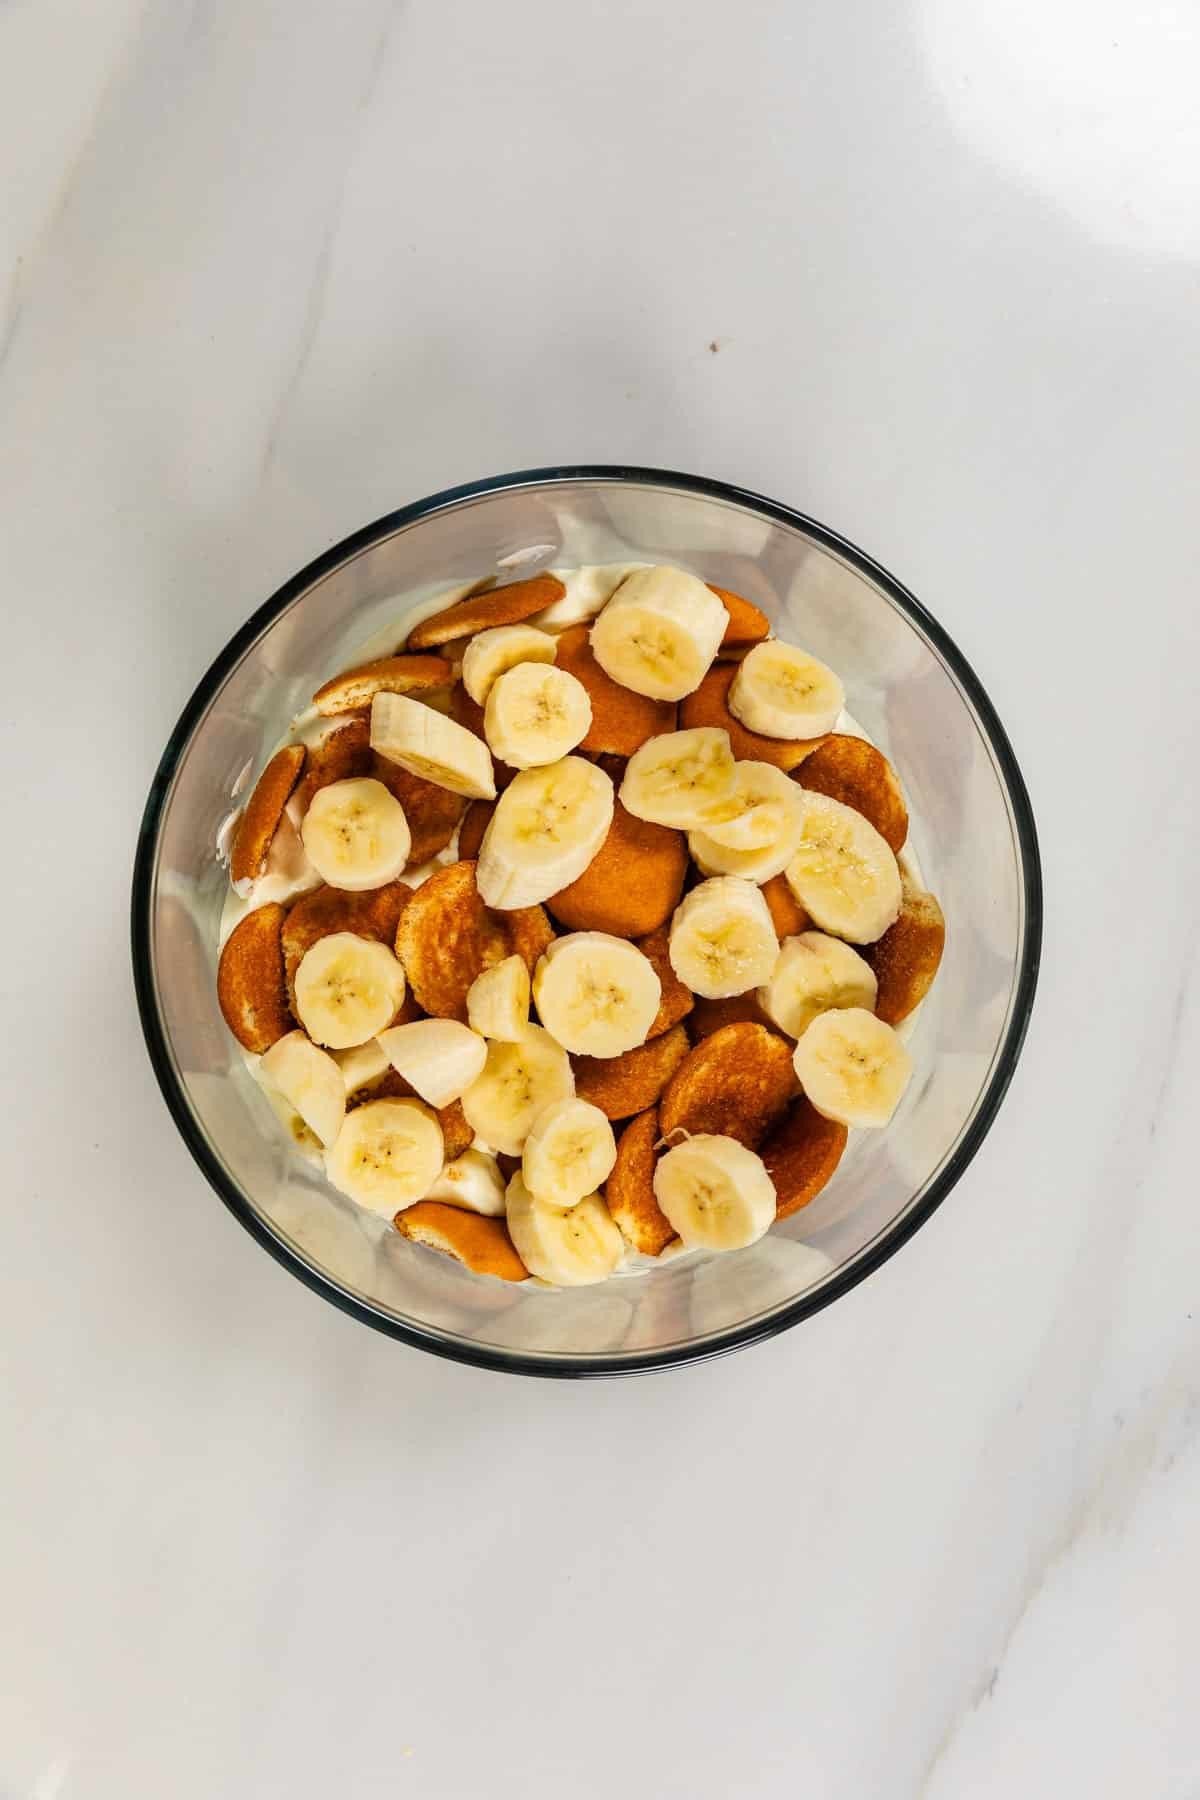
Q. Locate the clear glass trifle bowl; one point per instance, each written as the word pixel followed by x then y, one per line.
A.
pixel 972 833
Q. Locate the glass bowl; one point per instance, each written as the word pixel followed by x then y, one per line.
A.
pixel 972 831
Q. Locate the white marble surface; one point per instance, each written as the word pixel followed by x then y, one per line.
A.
pixel 270 270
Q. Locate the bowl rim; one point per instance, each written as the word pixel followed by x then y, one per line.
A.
pixel 894 1236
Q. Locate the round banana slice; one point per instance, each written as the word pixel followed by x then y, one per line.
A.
pixel 853 1067
pixel 535 715
pixel 472 1181
pixel 813 974
pixel 430 745
pixel 310 1081
pixel 355 834
pixel 762 836
pixel 498 1000
pixel 683 778
pixel 722 938
pixel 567 1249
pixel 439 1058
pixel 596 995
pixel 659 633
pixel 547 826
pixel 388 1154
pixel 348 989
pixel 491 653
pixel 843 873
pixel 519 1081
pixel 569 1153
pixel 782 692
pixel 715 1193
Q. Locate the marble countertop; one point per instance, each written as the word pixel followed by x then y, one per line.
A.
pixel 926 271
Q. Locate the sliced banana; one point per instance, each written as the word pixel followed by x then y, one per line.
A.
pixel 683 778
pixel 659 633
pixel 309 1080
pixel 498 1000
pixel 568 1249
pixel 762 832
pixel 587 591
pixel 843 873
pixel 547 826
pixel 535 715
pixel 596 995
pixel 491 653
pixel 813 974
pixel 361 1065
pixel 782 692
pixel 472 1181
pixel 438 1057
pixel 355 834
pixel 388 1155
pixel 430 745
pixel 569 1153
pixel 722 939
pixel 348 989
pixel 519 1080
pixel 715 1193
pixel 853 1067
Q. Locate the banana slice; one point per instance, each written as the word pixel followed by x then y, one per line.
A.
pixel 722 938
pixel 715 1193
pixel 659 633
pixel 853 1067
pixel 683 778
pixel 498 1000
pixel 569 1153
pixel 347 989
pixel 439 1058
pixel 586 592
pixel 760 838
pixel 310 1081
pixel 355 834
pixel 843 873
pixel 547 826
pixel 535 715
pixel 491 653
pixel 430 745
pixel 361 1065
pixel 519 1080
pixel 388 1154
pixel 596 995
pixel 815 974
pixel 473 1182
pixel 782 692
pixel 567 1249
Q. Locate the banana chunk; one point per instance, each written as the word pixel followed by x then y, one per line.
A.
pixel 659 633
pixel 684 778
pixel 439 1058
pixel 569 1153
pixel 498 1000
pixel 387 1155
pixel 347 989
pixel 519 1081
pixel 547 826
pixel 596 995
pixel 310 1081
pixel 715 1193
pixel 762 831
pixel 571 1248
pixel 491 654
pixel 473 1182
pixel 430 745
pixel 355 834
pixel 843 873
pixel 782 692
pixel 722 938
pixel 535 715
pixel 853 1067
pixel 815 973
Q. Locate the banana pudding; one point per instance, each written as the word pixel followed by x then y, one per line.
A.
pixel 595 942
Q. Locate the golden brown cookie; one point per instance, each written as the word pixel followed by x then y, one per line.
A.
pixel 448 936
pixel 476 820
pixel 736 1083
pixel 480 1244
pixel 465 712
pixel 497 606
pixel 342 755
pixel 709 706
pixel 856 773
pixel 632 884
pixel 354 689
pixel 432 812
pixel 622 721
pixel 623 1085
pixel 263 811
pixel 801 1154
pixel 677 999
pixel 250 989
pixel 708 1016
pixel 373 913
pixel 787 915
pixel 747 625
pixel 629 1190
pixel 907 956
